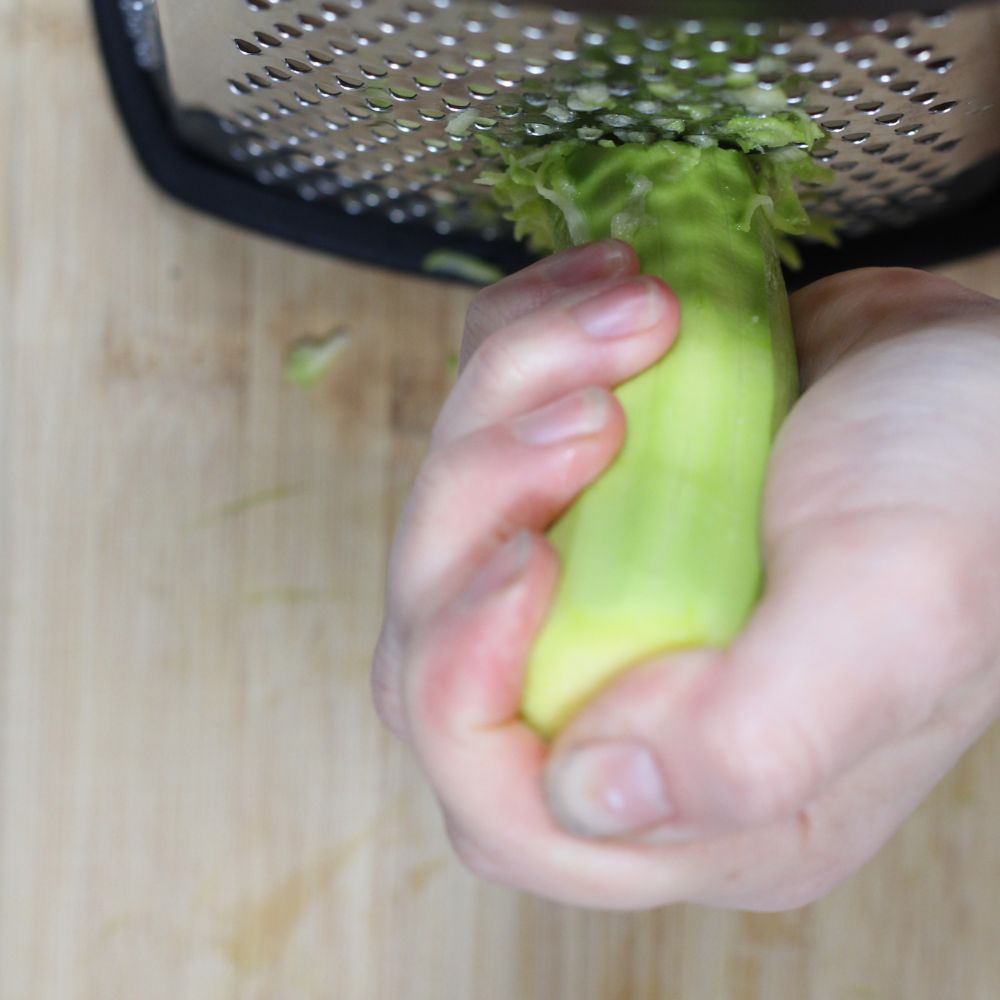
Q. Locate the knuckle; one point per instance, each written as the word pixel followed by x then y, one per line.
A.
pixel 483 315
pixel 480 859
pixel 385 691
pixel 945 585
pixel 388 704
pixel 501 365
pixel 452 474
pixel 759 774
pixel 436 474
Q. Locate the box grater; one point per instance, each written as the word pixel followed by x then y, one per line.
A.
pixel 353 124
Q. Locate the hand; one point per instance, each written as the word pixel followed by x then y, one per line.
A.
pixel 758 776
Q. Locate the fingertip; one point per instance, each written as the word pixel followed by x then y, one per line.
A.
pixel 589 262
pixel 538 285
pixel 669 320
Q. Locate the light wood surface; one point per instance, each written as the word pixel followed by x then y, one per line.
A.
pixel 196 801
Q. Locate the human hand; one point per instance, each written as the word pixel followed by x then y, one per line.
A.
pixel 755 777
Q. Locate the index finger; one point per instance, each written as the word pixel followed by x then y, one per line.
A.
pixel 518 294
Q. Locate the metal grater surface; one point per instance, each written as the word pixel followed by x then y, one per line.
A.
pixel 377 104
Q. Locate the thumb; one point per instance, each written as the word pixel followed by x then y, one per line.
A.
pixel 865 624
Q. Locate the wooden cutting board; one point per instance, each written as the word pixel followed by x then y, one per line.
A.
pixel 196 802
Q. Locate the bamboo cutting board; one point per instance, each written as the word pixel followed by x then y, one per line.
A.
pixel 196 801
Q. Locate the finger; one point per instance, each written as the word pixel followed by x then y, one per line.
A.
pixel 599 335
pixel 485 487
pixel 462 692
pixel 501 304
pixel 841 314
pixel 865 625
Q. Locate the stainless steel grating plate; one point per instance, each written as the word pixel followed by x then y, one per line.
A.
pixel 377 104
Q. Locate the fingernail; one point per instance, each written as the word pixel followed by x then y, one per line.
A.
pixel 607 789
pixel 502 568
pixel 579 265
pixel 619 311
pixel 577 415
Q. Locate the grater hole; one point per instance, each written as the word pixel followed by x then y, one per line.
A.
pixel 904 87
pixel 869 107
pixel 395 60
pixel 310 22
pixel 941 65
pixel 849 92
pixel 247 48
pixel 892 118
pixel 943 108
pixel 269 41
pixel 856 138
pixel 453 70
pixel 297 66
pixel 835 125
pixel 340 47
pixel 479 60
pixel 288 30
pixel 259 4
pixel 884 74
pixel 925 99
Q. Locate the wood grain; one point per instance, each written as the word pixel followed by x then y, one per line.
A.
pixel 196 801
